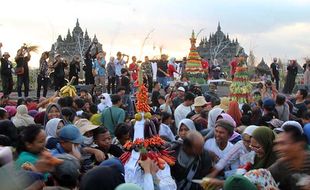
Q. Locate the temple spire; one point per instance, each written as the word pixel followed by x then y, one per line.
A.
pixel 77 23
pixel 219 26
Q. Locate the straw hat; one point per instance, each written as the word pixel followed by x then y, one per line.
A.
pixel 84 125
pixel 200 101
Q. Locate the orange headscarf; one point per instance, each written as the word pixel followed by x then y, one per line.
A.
pixel 234 112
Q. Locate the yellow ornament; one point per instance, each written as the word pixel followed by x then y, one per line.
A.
pixel 138 116
pixel 147 115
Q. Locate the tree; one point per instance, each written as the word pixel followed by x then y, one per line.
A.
pixel 220 45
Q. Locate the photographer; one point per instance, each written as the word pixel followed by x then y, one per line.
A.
pixel 269 90
pixel 59 77
pixel 119 64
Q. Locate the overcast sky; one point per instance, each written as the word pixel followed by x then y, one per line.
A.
pixel 271 28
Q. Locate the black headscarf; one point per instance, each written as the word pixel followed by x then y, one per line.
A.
pixel 107 178
pixel 8 129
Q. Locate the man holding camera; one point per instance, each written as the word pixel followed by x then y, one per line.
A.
pixel 119 64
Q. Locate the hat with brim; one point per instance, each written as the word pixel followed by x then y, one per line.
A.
pixel 84 126
pixel 200 101
pixel 71 133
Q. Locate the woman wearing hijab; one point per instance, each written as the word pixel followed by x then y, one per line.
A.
pixel 240 154
pixel 52 111
pixel 105 102
pixel 212 118
pixel 21 117
pixel 51 129
pixel 234 112
pixel 173 68
pixel 262 144
pixel 184 127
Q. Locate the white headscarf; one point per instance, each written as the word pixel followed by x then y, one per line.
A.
pixel 212 116
pixel 22 118
pixel 250 129
pixel 107 102
pixel 188 123
pixel 172 61
pixel 51 127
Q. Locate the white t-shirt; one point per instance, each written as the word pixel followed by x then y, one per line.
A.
pixel 212 146
pixel 181 112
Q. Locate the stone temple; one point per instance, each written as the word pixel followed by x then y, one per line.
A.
pixel 219 46
pixel 75 44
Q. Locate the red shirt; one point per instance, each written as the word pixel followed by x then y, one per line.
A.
pixel 134 68
pixel 233 65
pixel 204 64
pixel 171 70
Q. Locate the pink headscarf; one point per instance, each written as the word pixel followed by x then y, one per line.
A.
pixel 227 117
pixel 11 110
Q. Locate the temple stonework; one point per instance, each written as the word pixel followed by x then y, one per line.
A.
pixel 219 46
pixel 75 44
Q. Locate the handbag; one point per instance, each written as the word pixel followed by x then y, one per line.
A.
pixel 19 70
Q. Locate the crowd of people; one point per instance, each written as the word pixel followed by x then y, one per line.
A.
pixel 76 142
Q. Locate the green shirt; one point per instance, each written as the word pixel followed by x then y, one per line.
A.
pixel 111 117
pixel 26 157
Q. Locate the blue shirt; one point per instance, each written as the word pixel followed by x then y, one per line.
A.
pixel 58 150
pixel 99 68
pixel 119 64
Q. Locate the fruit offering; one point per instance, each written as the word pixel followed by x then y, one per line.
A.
pixel 69 89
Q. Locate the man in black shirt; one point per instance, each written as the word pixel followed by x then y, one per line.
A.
pixel 59 73
pixel 299 103
pixel 275 67
pixel 22 58
pixel 74 69
pixel 6 73
pixel 162 70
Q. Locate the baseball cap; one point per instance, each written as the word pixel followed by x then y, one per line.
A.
pixel 68 169
pixel 84 126
pixel 71 133
pixel 181 88
pixel 293 124
pixel 269 102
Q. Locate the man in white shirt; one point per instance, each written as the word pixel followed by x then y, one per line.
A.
pixel 183 109
pixel 220 144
